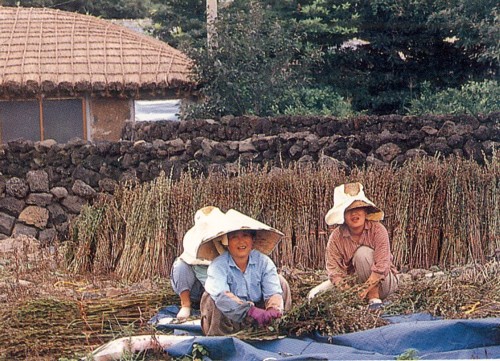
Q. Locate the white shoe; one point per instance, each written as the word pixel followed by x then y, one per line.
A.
pixel 375 303
pixel 184 313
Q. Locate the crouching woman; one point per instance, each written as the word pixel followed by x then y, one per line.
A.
pixel 243 287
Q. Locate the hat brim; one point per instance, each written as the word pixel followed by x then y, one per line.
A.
pixel 370 208
pixel 266 237
pixel 265 241
pixel 336 214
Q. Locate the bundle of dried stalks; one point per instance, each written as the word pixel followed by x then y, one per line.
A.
pixel 126 234
pixel 63 327
pixel 438 212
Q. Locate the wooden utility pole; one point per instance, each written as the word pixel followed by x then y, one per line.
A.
pixel 211 17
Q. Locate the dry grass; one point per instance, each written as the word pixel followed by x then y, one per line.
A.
pixel 437 213
pixel 49 313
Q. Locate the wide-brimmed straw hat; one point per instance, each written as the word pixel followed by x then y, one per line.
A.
pixel 350 196
pixel 205 240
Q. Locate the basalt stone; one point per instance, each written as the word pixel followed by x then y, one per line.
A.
pixel 6 223
pixel 455 141
pixel 59 192
pixel 108 185
pixel 16 187
pixel 327 162
pixel 175 147
pixel 45 145
pixel 142 146
pixel 34 216
pixel 447 129
pixel 464 129
pixel 439 147
pixel 39 199
pixel 375 162
pixel 23 229
pixel 482 133
pixel 295 151
pixel 355 157
pixel 207 147
pixel 38 181
pixel 73 204
pixel 11 205
pixel 83 190
pixel 415 153
pixel 387 137
pixel 86 175
pixel 93 162
pixel 429 130
pixel 473 150
pixel 57 215
pixel 388 151
pixel 306 159
pixel 103 147
pixel 3 183
pixel 246 146
pixel 21 145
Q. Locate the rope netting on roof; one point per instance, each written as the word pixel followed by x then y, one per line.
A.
pixel 45 45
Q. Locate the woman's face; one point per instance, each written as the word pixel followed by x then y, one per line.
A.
pixel 355 218
pixel 240 243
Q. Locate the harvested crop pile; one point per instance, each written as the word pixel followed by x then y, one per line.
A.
pixel 469 292
pixel 50 326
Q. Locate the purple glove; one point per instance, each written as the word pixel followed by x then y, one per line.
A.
pixel 274 313
pixel 262 317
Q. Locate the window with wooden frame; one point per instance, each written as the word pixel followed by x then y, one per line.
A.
pixel 44 118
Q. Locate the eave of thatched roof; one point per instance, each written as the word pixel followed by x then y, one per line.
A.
pixel 51 51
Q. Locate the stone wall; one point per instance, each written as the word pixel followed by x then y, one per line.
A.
pixel 352 142
pixel 43 185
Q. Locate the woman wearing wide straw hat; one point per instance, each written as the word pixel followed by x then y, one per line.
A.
pixel 242 286
pixel 359 246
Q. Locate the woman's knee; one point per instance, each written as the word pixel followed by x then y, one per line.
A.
pixel 182 276
pixel 362 262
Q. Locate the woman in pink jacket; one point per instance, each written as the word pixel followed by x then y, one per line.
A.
pixel 358 246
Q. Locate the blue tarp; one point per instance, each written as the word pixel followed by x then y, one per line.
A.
pixel 431 338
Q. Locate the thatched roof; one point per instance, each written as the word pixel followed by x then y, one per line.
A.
pixel 51 51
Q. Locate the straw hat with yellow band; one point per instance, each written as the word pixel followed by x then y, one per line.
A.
pixel 205 240
pixel 350 196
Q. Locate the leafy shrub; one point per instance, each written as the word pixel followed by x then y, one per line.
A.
pixel 315 101
pixel 472 98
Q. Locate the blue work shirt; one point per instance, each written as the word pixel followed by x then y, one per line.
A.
pixel 258 283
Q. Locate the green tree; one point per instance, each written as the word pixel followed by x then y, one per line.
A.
pixel 400 49
pixel 474 26
pixel 254 65
pixel 181 23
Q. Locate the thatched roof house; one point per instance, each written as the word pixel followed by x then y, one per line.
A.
pixel 56 66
